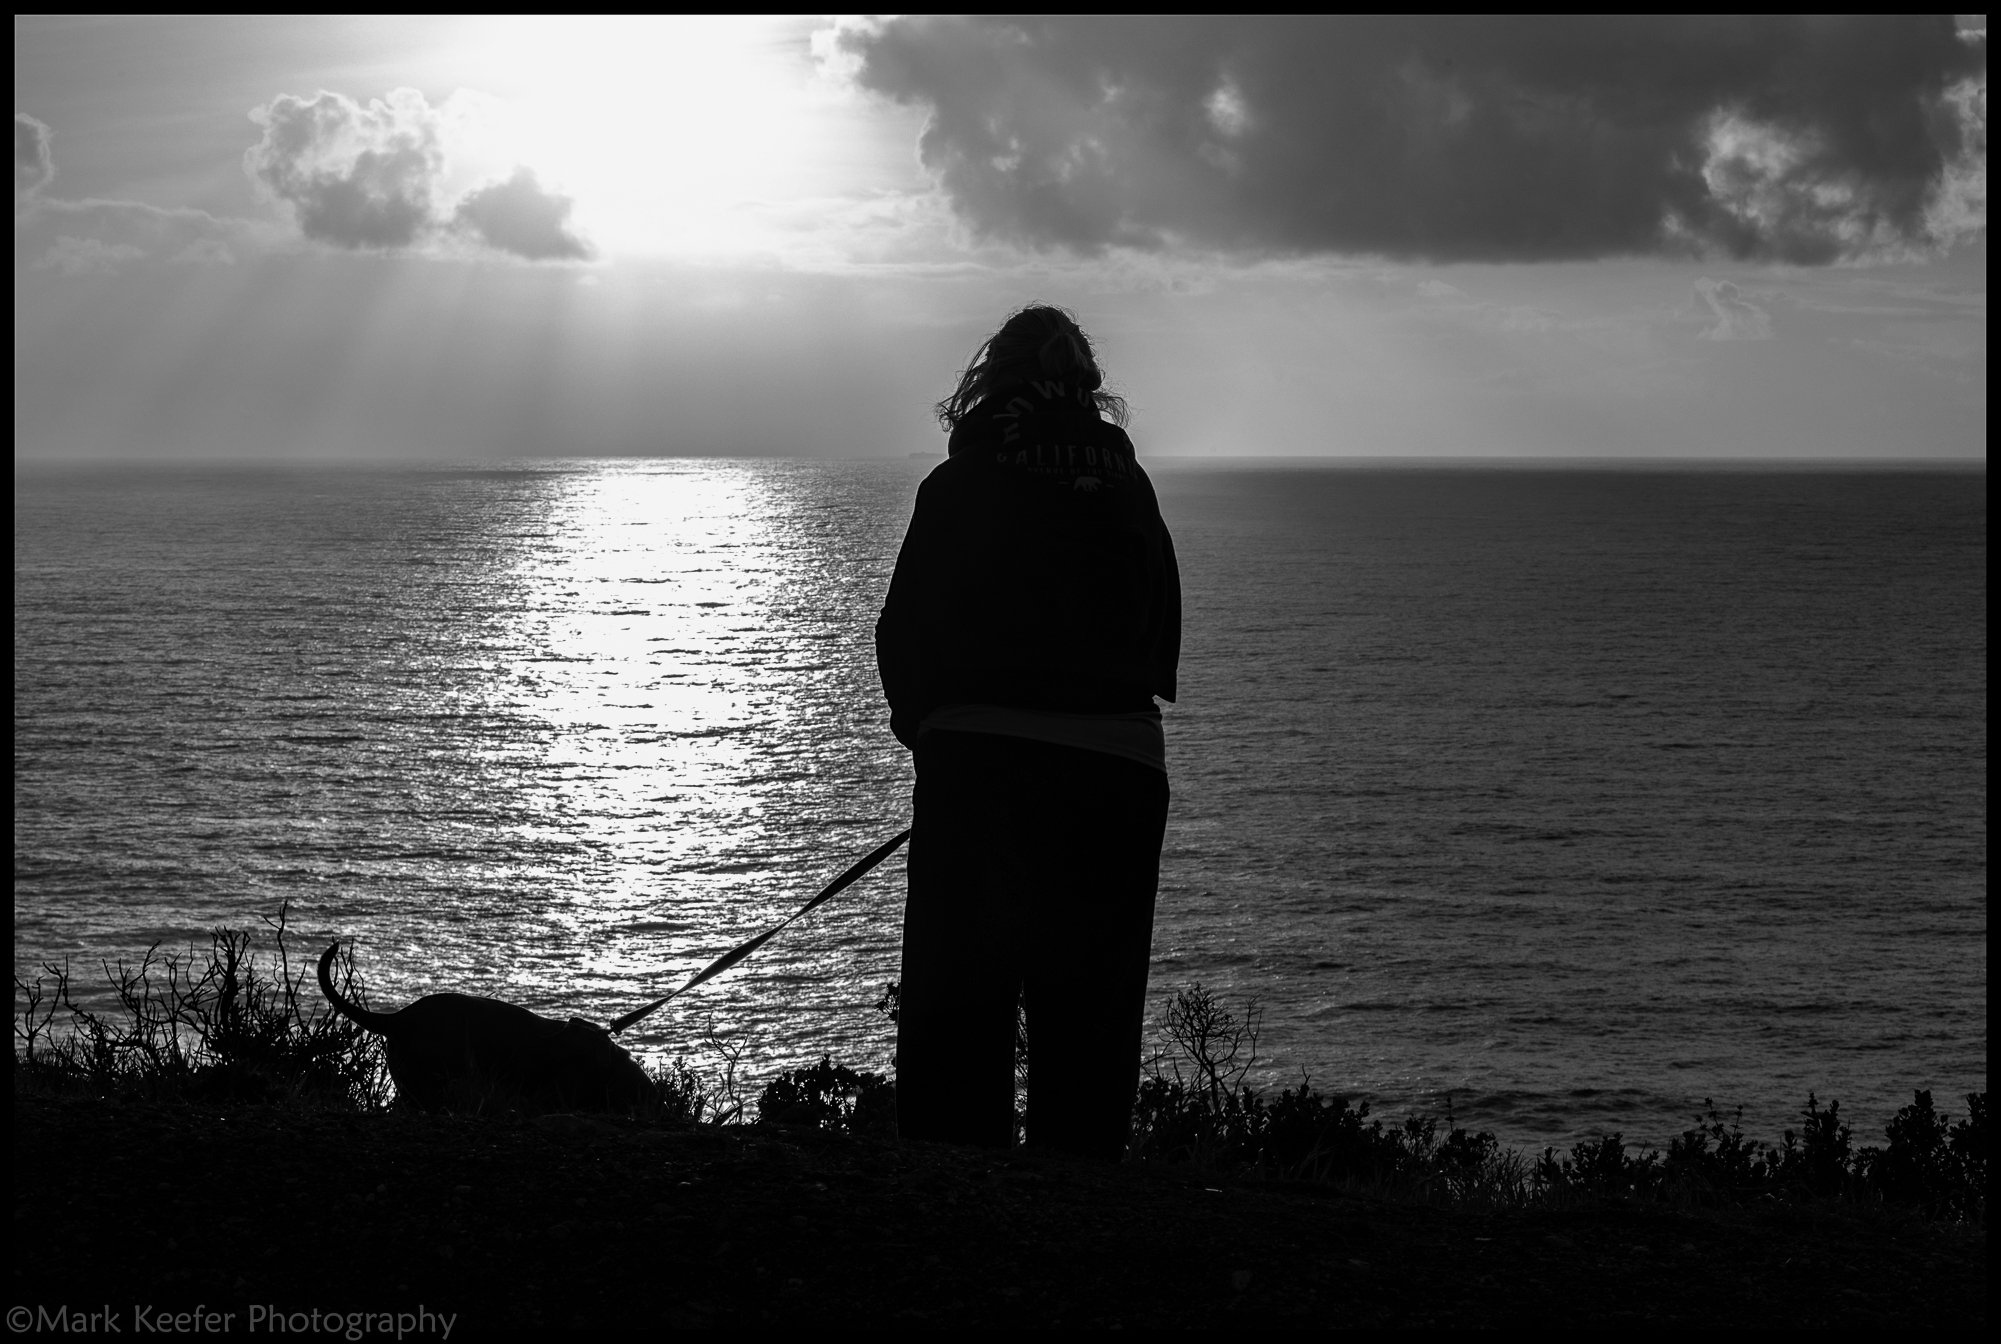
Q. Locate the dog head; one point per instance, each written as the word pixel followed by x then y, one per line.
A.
pixel 581 1065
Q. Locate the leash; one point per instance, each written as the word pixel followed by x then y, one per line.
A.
pixel 742 950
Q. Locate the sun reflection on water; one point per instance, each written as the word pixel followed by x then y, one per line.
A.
pixel 687 649
pixel 640 603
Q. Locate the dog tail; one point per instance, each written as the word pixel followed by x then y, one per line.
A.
pixel 354 1012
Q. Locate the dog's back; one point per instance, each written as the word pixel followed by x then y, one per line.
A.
pixel 459 1049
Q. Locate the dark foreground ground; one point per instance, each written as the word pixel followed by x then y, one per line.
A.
pixel 572 1222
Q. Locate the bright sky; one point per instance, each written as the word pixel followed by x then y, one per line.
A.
pixel 394 238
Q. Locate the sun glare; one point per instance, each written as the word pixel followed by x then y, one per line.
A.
pixel 671 133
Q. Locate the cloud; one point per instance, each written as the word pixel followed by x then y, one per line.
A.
pixel 98 237
pixel 204 252
pixel 1804 140
pixel 1522 317
pixel 357 177
pixel 1735 318
pixel 368 178
pixel 1959 207
pixel 518 216
pixel 33 166
pixel 70 255
pixel 372 177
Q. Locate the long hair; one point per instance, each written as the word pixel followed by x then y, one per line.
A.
pixel 1039 341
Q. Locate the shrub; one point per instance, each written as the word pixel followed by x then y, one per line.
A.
pixel 1192 1104
pixel 681 1093
pixel 1311 1137
pixel 1936 1168
pixel 1819 1158
pixel 1969 1147
pixel 1195 1107
pixel 1599 1167
pixel 229 1029
pixel 1932 1168
pixel 829 1096
pixel 225 1029
pixel 1715 1162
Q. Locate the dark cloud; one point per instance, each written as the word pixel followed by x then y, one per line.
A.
pixel 1484 138
pixel 519 216
pixel 370 177
pixel 355 176
pixel 32 165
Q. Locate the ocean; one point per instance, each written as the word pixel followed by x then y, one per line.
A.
pixel 1566 797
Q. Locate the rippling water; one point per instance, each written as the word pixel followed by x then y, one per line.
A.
pixel 1579 796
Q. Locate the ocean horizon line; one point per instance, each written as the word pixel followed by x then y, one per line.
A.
pixel 1168 461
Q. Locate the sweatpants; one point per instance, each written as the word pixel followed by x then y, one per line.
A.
pixel 1032 873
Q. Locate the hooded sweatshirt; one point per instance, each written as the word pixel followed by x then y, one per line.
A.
pixel 1036 573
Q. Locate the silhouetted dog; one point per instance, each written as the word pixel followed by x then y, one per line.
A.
pixel 457 1048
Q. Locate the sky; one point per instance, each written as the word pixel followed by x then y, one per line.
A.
pixel 419 239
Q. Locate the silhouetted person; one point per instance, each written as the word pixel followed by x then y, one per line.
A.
pixel 1034 614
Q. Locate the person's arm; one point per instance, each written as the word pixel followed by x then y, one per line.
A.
pixel 901 658
pixel 1167 644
